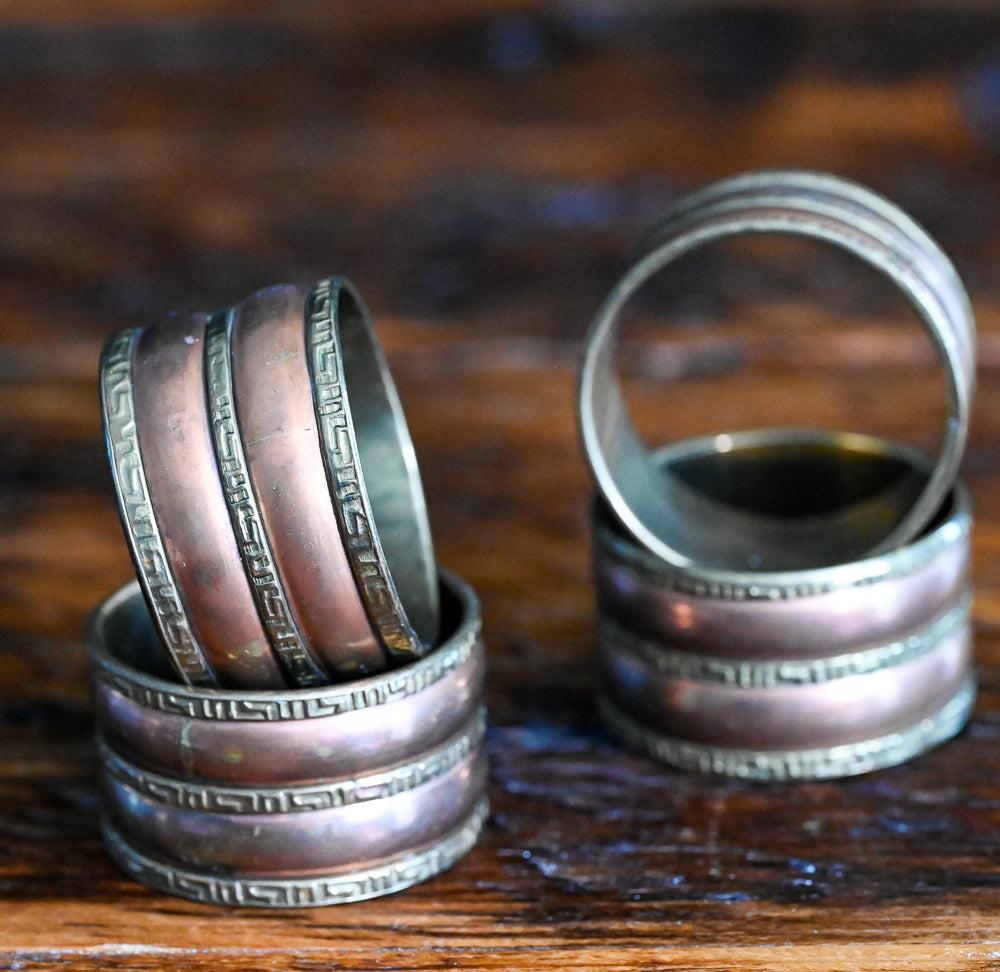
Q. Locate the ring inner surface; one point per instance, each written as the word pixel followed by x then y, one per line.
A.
pixel 389 470
pixel 840 492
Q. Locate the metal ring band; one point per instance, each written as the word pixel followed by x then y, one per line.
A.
pixel 832 194
pixel 266 584
pixel 831 762
pixel 359 884
pixel 274 406
pixel 787 717
pixel 276 738
pixel 899 229
pixel 183 481
pixel 209 797
pixel 138 516
pixel 676 663
pixel 301 845
pixel 372 471
pixel 658 510
pixel 790 615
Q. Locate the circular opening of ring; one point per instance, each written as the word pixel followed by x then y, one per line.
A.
pixel 770 330
pixel 785 330
pixel 657 507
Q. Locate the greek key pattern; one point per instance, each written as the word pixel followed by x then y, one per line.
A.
pixel 407 870
pixel 265 707
pixel 347 489
pixel 613 547
pixel 767 674
pixel 806 764
pixel 241 800
pixel 255 549
pixel 144 538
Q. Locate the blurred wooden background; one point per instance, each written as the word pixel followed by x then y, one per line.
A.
pixel 479 171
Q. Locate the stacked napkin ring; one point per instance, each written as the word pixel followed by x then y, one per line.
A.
pixel 680 526
pixel 790 602
pixel 289 698
pixel 828 671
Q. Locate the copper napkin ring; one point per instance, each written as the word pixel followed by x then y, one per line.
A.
pixel 814 673
pixel 272 428
pixel 288 798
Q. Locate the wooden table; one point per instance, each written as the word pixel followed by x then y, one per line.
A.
pixel 479 171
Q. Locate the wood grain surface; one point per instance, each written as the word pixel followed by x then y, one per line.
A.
pixel 479 171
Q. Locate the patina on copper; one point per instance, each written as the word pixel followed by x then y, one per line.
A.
pixel 273 399
pixel 268 738
pixel 184 489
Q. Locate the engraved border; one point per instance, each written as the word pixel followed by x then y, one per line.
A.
pixel 767 673
pixel 807 764
pixel 264 892
pixel 245 800
pixel 273 605
pixel 219 705
pixel 137 514
pixel 610 543
pixel 344 474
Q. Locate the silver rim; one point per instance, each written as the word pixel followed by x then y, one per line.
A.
pixel 372 470
pixel 138 518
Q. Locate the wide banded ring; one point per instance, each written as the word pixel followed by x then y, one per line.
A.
pixel 308 796
pixel 657 509
pixel 269 491
pixel 812 673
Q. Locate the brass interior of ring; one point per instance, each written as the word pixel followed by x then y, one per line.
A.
pixel 802 480
pixel 782 479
